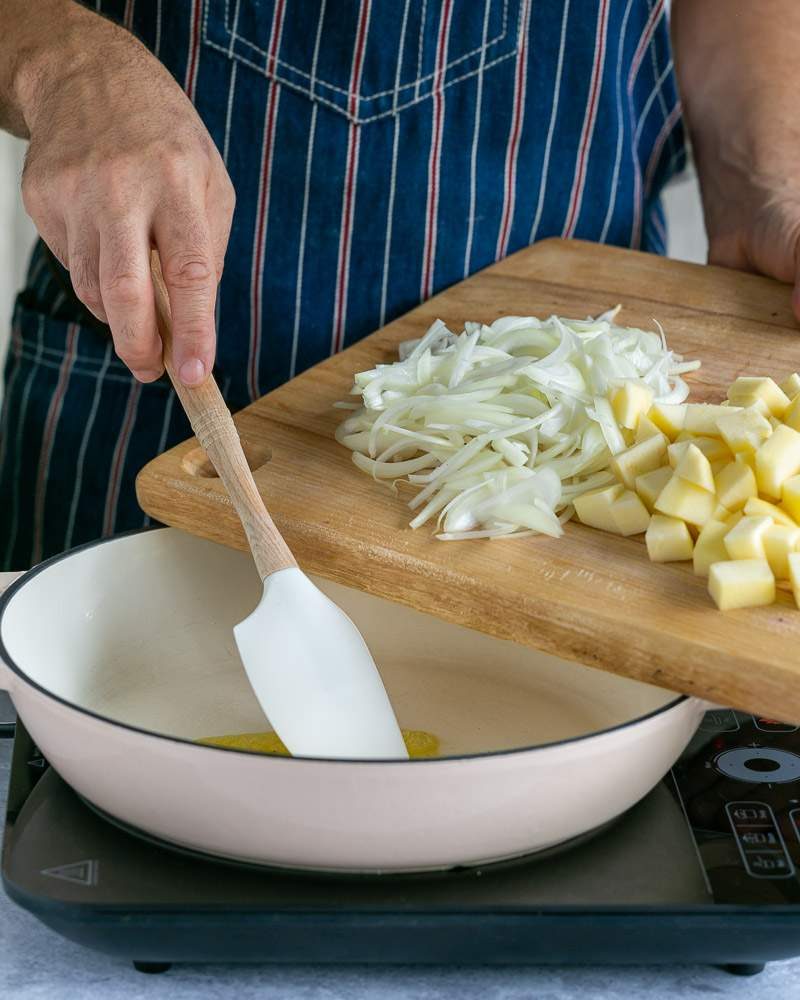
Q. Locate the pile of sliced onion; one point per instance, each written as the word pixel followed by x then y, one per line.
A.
pixel 502 426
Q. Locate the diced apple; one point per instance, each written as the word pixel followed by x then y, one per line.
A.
pixel 668 417
pixel 594 507
pixel 668 539
pixel 756 507
pixel 629 514
pixel 744 583
pixel 710 546
pixel 777 460
pixel 685 501
pixel 792 415
pixel 747 389
pixel 744 430
pixel 695 468
pixel 791 385
pixel 745 540
pixel 643 457
pixel 649 485
pixel 779 541
pixel 794 575
pixel 645 429
pixel 701 418
pixel 631 401
pixel 790 495
pixel 735 484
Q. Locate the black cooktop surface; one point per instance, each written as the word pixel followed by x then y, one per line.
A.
pixel 705 868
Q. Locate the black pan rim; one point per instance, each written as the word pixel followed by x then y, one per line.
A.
pixel 8 595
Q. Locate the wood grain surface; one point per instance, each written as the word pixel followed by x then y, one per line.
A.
pixel 588 596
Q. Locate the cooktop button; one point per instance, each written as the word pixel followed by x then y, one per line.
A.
pixel 759 764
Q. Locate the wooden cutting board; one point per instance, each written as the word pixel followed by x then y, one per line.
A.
pixel 588 596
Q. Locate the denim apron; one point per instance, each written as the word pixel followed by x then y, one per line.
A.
pixel 381 150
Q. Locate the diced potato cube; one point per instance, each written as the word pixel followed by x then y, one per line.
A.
pixel 651 484
pixel 777 459
pixel 645 429
pixel 710 546
pixel 794 575
pixel 744 583
pixel 756 507
pixel 668 539
pixel 735 484
pixel 721 513
pixel 684 436
pixel 631 401
pixel 790 494
pixel 594 507
pixel 745 540
pixel 701 418
pixel 791 385
pixel 719 465
pixel 792 415
pixel 744 430
pixel 733 519
pixel 713 448
pixel 643 457
pixel 779 541
pixel 746 458
pixel 747 389
pixel 685 501
pixel 629 514
pixel 668 417
pixel 695 468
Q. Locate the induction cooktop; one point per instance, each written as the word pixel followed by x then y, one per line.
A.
pixel 704 869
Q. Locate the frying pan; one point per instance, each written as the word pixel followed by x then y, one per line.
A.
pixel 119 654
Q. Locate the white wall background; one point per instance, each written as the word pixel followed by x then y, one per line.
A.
pixel 687 235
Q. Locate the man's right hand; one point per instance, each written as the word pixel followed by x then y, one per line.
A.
pixel 119 162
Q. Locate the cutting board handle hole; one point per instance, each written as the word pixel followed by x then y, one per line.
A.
pixel 197 463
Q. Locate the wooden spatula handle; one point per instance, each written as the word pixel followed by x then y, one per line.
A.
pixel 214 428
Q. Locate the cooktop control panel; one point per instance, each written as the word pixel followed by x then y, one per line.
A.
pixel 739 785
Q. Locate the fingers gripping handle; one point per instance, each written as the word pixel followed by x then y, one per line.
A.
pixel 214 428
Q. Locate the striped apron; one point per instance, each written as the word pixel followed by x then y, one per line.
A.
pixel 380 150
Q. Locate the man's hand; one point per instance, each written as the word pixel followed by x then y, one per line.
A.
pixel 738 64
pixel 119 161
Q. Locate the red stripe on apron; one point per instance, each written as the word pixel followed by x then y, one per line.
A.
pixel 669 124
pixel 435 156
pixel 351 176
pixel 48 437
pixel 194 51
pixel 589 119
pixel 259 242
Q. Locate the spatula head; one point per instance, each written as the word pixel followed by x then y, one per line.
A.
pixel 314 675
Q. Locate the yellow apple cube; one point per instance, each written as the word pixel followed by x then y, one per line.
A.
pixel 744 430
pixel 695 468
pixel 735 484
pixel 792 415
pixel 649 485
pixel 629 514
pixel 594 507
pixel 744 583
pixel 710 546
pixel 777 460
pixel 756 507
pixel 668 539
pixel 632 401
pixel 746 390
pixel 791 385
pixel 643 457
pixel 794 575
pixel 790 494
pixel 668 417
pixel 686 501
pixel 745 540
pixel 645 429
pixel 701 418
pixel 779 542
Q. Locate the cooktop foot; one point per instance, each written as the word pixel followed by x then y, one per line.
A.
pixel 152 968
pixel 744 968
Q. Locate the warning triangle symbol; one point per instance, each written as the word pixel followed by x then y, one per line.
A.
pixel 79 872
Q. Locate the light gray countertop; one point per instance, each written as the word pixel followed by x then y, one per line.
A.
pixel 36 964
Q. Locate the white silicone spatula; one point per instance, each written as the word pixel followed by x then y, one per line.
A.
pixel 306 661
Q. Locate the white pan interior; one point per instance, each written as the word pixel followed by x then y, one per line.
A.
pixel 138 629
